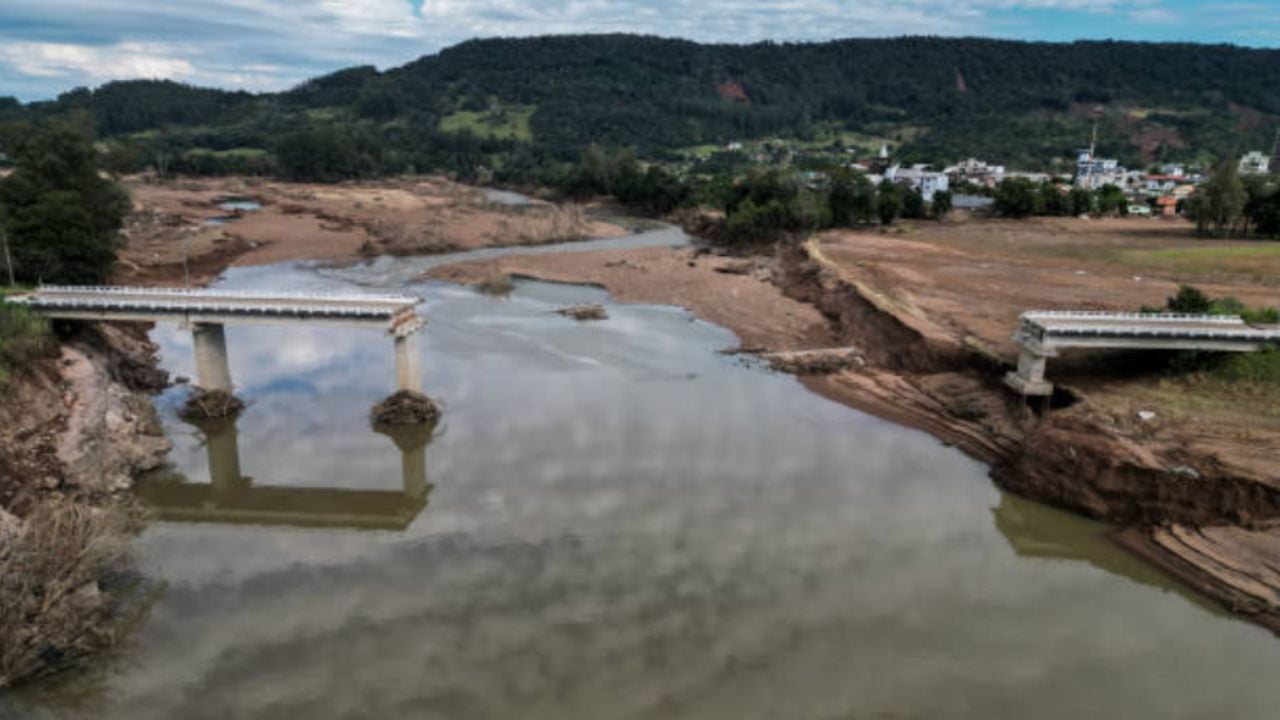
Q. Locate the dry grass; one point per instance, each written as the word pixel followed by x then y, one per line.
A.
pixel 496 283
pixel 52 611
pixel 546 225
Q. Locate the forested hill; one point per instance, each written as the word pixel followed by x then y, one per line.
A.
pixel 499 100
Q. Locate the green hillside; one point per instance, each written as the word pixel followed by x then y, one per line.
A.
pixel 520 101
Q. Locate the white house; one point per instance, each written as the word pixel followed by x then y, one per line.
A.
pixel 918 178
pixel 1255 163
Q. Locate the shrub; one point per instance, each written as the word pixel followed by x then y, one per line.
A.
pixel 1261 316
pixel 1189 300
pixel 1260 367
pixel 52 610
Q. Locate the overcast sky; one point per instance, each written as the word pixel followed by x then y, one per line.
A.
pixel 49 46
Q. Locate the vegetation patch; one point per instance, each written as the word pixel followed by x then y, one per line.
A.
pixel 502 123
pixel 1260 369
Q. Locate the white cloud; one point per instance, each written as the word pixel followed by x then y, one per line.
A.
pixel 131 59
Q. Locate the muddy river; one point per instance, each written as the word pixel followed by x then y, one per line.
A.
pixel 614 520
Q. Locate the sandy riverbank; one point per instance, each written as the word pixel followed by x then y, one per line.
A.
pixel 931 310
pixel 344 222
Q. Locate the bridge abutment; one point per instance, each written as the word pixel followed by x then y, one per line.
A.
pixel 213 370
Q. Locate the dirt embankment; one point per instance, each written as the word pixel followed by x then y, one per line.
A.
pixel 930 323
pixel 82 419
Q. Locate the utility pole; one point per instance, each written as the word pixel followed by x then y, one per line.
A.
pixel 1275 154
pixel 8 259
pixel 186 273
pixel 1093 150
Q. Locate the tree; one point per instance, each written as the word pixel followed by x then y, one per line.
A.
pixel 942 203
pixel 888 202
pixel 326 154
pixel 913 205
pixel 1082 201
pixel 1219 202
pixel 1265 214
pixel 1016 198
pixel 1053 201
pixel 842 198
pixel 1111 200
pixel 62 218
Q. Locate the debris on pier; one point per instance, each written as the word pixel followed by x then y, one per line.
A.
pixel 211 405
pixel 585 312
pixel 406 407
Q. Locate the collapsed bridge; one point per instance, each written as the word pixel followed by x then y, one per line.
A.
pixel 207 312
pixel 1043 333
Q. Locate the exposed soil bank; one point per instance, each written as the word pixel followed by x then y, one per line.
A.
pixel 928 369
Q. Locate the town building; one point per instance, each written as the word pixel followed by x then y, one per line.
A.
pixel 1255 162
pixel 1093 172
pixel 916 177
pixel 977 172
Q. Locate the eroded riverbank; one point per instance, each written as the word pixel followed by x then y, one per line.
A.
pixel 928 365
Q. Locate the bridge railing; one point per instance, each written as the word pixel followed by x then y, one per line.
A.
pixel 196 293
pixel 1132 316
pixel 1242 333
pixel 203 308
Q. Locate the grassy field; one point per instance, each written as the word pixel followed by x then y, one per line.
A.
pixel 1259 259
pixel 507 123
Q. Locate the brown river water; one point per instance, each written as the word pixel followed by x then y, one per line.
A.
pixel 614 520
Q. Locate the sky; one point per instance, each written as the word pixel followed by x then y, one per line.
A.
pixel 50 46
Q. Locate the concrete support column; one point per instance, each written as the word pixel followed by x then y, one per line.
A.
pixel 1031 366
pixel 222 440
pixel 213 371
pixel 413 470
pixel 408 363
pixel 411 441
pixel 1029 379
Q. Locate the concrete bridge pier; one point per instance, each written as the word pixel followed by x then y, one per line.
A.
pixel 213 371
pixel 222 439
pixel 408 362
pixel 412 441
pixel 1029 378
